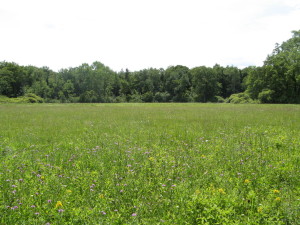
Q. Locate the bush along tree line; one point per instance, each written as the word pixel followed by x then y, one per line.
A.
pixel 277 81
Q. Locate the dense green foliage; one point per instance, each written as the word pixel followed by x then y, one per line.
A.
pixel 277 81
pixel 149 164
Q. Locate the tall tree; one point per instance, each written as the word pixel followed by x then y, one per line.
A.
pixel 279 79
pixel 205 83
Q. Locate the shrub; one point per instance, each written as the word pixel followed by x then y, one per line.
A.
pixel 32 98
pixel 219 99
pixel 266 96
pixel 28 98
pixel 161 96
pixel 240 98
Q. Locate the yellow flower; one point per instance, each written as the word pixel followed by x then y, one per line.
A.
pixel 247 181
pixel 276 191
pixel 197 192
pixel 68 191
pixel 259 209
pixel 58 204
pixel 101 195
pixel 277 199
pixel 151 158
pixel 221 190
pixel 42 177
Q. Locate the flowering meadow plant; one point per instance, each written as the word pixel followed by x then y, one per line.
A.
pixel 149 164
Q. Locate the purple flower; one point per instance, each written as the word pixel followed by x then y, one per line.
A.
pixel 61 210
pixel 163 185
pixel 104 213
pixel 14 207
pixel 20 180
pixel 13 186
pixel 33 206
pixel 37 213
pixel 133 214
pixel 49 200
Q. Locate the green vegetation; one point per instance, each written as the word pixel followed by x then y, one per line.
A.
pixel 277 81
pixel 27 98
pixel 149 164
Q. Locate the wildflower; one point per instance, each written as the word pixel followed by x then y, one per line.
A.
pixel 247 181
pixel 277 199
pixel 49 200
pixel 33 206
pixel 61 210
pixel 197 192
pixel 151 158
pixel 163 185
pixel 259 209
pixel 68 191
pixel 133 214
pixel 276 191
pixel 101 195
pixel 37 213
pixel 104 213
pixel 58 204
pixel 221 191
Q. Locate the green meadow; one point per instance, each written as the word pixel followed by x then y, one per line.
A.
pixel 149 164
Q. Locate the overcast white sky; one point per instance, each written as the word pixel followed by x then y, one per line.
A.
pixel 138 34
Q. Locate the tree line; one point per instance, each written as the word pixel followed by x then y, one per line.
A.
pixel 277 81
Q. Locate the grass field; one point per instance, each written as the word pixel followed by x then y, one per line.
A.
pixel 149 164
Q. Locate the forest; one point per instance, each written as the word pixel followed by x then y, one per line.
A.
pixel 277 81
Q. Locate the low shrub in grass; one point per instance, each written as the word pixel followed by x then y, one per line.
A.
pixel 240 98
pixel 28 98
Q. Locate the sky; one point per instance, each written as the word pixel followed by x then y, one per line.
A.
pixel 139 34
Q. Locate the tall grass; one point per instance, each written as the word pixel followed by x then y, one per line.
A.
pixel 149 164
